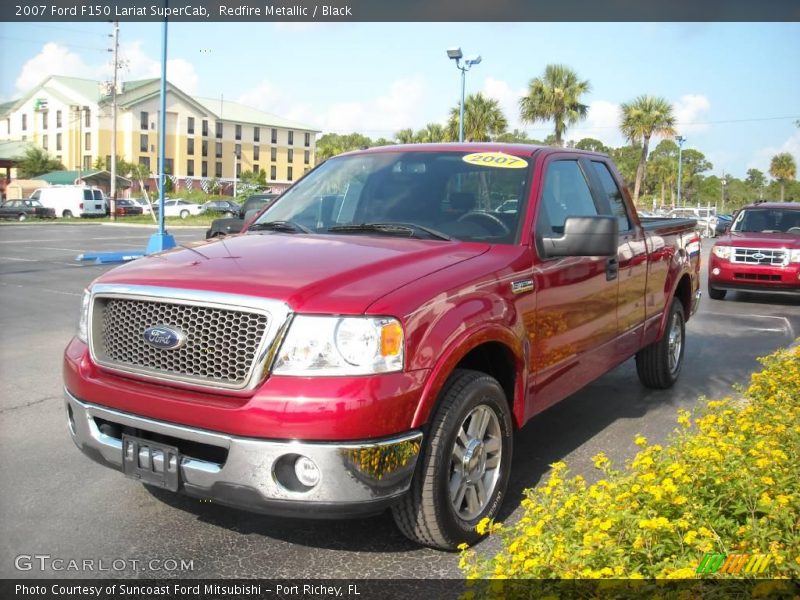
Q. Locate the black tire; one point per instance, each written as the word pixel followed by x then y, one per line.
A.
pixel 67 214
pixel 716 294
pixel 184 214
pixel 21 217
pixel 427 514
pixel 659 364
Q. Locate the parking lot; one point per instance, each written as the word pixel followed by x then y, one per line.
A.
pixel 56 502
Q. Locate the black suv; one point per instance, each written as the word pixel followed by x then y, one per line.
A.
pixel 222 227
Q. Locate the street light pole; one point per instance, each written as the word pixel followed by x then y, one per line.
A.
pixel 456 55
pixel 680 139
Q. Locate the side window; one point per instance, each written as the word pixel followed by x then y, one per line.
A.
pixel 35 195
pixel 565 194
pixel 614 194
pixel 87 195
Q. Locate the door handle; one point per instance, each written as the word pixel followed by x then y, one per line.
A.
pixel 612 268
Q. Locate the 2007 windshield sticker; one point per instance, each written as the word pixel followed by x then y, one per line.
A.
pixel 498 160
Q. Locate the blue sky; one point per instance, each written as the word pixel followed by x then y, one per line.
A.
pixel 732 84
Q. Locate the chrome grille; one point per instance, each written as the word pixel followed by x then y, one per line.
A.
pixel 222 345
pixel 759 256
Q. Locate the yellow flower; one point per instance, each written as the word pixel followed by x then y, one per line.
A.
pixel 640 440
pixel 767 481
pixel 600 460
pixel 690 537
pixel 483 525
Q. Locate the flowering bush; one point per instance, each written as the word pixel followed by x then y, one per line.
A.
pixel 728 482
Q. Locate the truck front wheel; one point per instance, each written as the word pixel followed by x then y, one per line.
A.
pixel 659 364
pixel 463 471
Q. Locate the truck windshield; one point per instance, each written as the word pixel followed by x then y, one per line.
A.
pixel 430 195
pixel 768 220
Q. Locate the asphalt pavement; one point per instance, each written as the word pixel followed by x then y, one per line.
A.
pixel 55 502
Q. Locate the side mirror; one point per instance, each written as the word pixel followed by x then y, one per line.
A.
pixel 584 236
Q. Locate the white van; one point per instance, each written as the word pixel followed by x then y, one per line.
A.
pixel 72 200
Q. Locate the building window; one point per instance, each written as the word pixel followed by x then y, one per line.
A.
pixel 204 169
pixel 291 138
pixel 306 157
pixel 145 160
pixel 255 169
pixel 290 155
pixel 87 163
pixel 205 127
pixel 190 125
pixel 218 170
pixel 289 173
pixel 273 172
pixel 58 142
pixel 58 119
pixel 307 141
pixel 144 120
pixel 218 152
pixel 190 168
pixel 218 127
pixel 44 142
pixel 143 142
pixel 274 137
pixel 256 152
pixel 190 146
pixel 238 169
pixel 87 141
pixel 58 158
pixel 256 134
pixel 273 154
pixel 168 166
pixel 237 150
pixel 24 122
pixel 87 120
pixel 44 119
pixel 238 132
pixel 205 147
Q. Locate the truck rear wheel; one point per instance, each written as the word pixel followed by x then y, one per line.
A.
pixel 659 364
pixel 463 471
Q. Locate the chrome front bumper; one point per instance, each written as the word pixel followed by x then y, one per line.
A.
pixel 256 474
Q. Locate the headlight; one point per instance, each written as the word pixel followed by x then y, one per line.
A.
pixel 83 318
pixel 794 256
pixel 341 346
pixel 723 252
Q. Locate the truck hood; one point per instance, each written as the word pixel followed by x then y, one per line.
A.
pixel 341 274
pixel 761 240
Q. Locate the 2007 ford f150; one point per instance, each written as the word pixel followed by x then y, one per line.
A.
pixel 377 335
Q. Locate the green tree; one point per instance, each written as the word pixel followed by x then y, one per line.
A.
pixel 592 145
pixel 627 160
pixel 37 161
pixel 405 136
pixel 642 118
pixel 756 181
pixel 555 96
pixel 516 137
pixel 332 144
pixel 432 133
pixel 483 119
pixel 783 169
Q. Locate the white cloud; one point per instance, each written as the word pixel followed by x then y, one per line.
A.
pixel 761 159
pixel 602 123
pixel 507 97
pixel 691 109
pixel 53 59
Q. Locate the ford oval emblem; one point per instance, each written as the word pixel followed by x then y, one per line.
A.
pixel 163 337
pixel 759 256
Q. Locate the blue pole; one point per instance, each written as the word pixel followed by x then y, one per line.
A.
pixel 162 240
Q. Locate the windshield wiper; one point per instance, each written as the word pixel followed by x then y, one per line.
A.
pixel 281 226
pixel 409 229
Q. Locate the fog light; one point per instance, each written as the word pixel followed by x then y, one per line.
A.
pixel 306 471
pixel 715 271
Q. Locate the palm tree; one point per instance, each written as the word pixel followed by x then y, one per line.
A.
pixel 641 119
pixel 432 133
pixel 483 118
pixel 556 96
pixel 783 168
pixel 405 136
pixel 37 161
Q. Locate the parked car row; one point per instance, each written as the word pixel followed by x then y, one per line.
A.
pixel 22 210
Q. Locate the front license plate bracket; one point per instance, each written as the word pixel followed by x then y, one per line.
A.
pixel 150 462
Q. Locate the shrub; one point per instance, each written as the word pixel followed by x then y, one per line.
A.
pixel 728 481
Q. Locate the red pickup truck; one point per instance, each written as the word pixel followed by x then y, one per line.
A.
pixel 760 251
pixel 377 335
